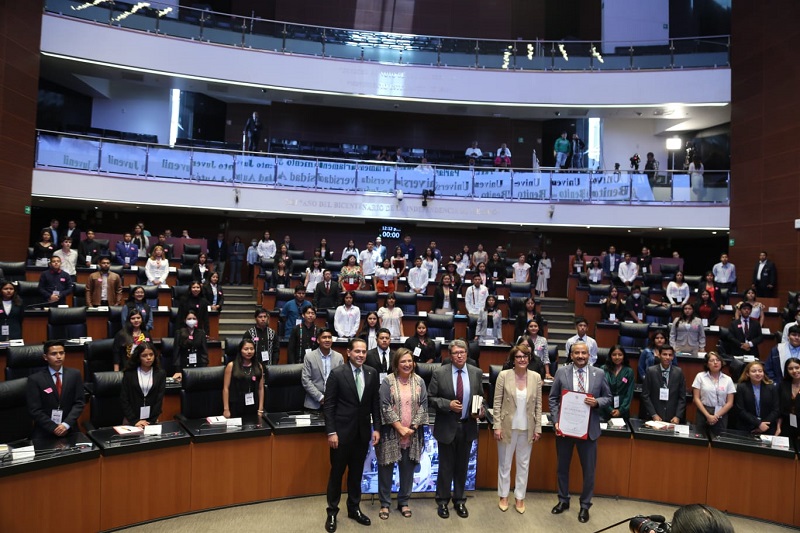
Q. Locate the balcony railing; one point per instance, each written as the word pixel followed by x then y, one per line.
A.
pixel 275 36
pixel 228 168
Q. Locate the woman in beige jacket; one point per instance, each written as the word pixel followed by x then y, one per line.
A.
pixel 517 423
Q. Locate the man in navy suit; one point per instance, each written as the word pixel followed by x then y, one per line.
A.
pixel 611 261
pixel 351 398
pixel 578 377
pixel 55 395
pixel 127 252
pixel 744 335
pixel 452 387
pixel 764 277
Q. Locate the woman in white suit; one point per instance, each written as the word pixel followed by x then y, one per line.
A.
pixel 517 424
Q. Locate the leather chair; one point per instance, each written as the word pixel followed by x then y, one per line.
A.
pixel 552 354
pixel 179 292
pixel 474 353
pixel 13 271
pixel 232 348
pixel 598 291
pixel 366 300
pixel 407 301
pixel 66 323
pixel 29 292
pixel 98 356
pixel 184 277
pixel 102 248
pixel 440 326
pixel 425 371
pixel 296 254
pixel 602 357
pixel 119 271
pixel 22 361
pixel 105 405
pixel 633 337
pixel 150 292
pixel 519 290
pixel 282 296
pixel 188 260
pixel 299 267
pixel 167 355
pixel 114 323
pixel 693 282
pixel 516 305
pixel 201 392
pixel 79 295
pixel 494 372
pixel 472 325
pixel 655 281
pixel 656 314
pixel 284 388
pixel 17 423
pixel 668 271
pixel 334 267
pixel 194 249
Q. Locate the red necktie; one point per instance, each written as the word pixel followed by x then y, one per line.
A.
pixel 58 383
pixel 459 388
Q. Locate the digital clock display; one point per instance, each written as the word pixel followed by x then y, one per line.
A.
pixel 389 232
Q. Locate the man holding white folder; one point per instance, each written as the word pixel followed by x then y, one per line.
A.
pixel 580 378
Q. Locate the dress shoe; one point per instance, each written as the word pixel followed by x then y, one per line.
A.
pixel 330 523
pixel 443 512
pixel 583 516
pixel 560 508
pixel 503 505
pixel 461 510
pixel 359 517
pixel 520 506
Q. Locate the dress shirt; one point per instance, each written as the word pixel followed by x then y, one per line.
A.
pixel 724 273
pixel 475 299
pixel 418 278
pixel 714 393
pixel 628 271
pixel 575 381
pixel 68 260
pixel 326 368
pixel 465 400
pixel 104 286
pixel 590 343
pixel 53 376
pixel 368 260
pixel 346 320
pixel 760 268
pixel 266 249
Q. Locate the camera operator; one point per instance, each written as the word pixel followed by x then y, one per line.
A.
pixel 695 518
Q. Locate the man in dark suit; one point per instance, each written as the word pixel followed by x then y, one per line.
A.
pixel 744 335
pixel 451 390
pixel 55 284
pixel 380 357
pixel 351 398
pixel 611 261
pixel 55 395
pixel 765 276
pixel 127 252
pixel 73 232
pixel 89 250
pixel 664 390
pixel 162 241
pixel 578 377
pixel 218 254
pixel 328 293
pixel 252 130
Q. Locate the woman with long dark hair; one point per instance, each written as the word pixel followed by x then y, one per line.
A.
pixel 243 385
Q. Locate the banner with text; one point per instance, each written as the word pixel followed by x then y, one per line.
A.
pixel 453 182
pixel 66 152
pixel 124 158
pixel 210 166
pixel 413 180
pixel 296 172
pixel 611 187
pixel 492 184
pixel 336 175
pixel 376 178
pixel 569 186
pixel 531 185
pixel 170 163
pixel 255 169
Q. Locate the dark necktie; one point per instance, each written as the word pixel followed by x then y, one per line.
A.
pixel 383 361
pixel 746 328
pixel 58 383
pixel 460 388
pixel 328 286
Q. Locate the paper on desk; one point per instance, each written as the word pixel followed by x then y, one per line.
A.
pixel 163 308
pixel 603 425
pixel 153 429
pixel 163 286
pixel 423 313
pixel 134 268
pixel 682 429
pixel 772 309
pixel 16 342
pixel 173 269
pixel 233 422
pixel 713 328
pixel 103 308
pixel 440 339
pixel 780 442
pixel 616 422
pixel 765 331
pixel 25 453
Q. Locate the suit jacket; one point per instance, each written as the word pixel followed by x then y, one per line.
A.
pixel 505 403
pixel 607 263
pixel 132 398
pixel 438 299
pixel 768 275
pixel 374 360
pixel 313 377
pixel 217 252
pixel 441 392
pixel 737 335
pixel 651 405
pixel 598 387
pixel 745 402
pixel 43 398
pixel 347 416
pixel 88 248
pixel 94 289
pixel 327 299
pixel 208 294
pixel 13 320
pixel 132 252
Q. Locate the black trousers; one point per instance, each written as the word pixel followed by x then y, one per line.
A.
pixel 453 464
pixel 348 456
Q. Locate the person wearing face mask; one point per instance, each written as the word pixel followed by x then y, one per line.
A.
pixel 636 305
pixel 194 301
pixel 190 346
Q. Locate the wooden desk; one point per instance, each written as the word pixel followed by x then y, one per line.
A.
pixel 308 453
pixel 581 297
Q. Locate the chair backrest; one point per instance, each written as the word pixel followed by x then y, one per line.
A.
pixel 188 260
pixel 520 290
pixel 633 336
pixel 366 300
pixel 334 267
pixel 668 270
pixel 472 325
pixel 232 346
pixel 79 295
pixel 66 323
pixel 179 292
pixel 141 276
pixel 184 276
pixel 297 254
pixel 602 357
pixel 654 280
pixel 282 296
pixel 150 292
pixel 102 246
pixel 552 354
pixel 407 301
pixel 285 390
pixel 474 353
pixel 425 371
pixel 598 291
pixel 22 361
pixel 194 249
pixel 167 354
pixel 29 292
pixel 267 264
pixel 114 321
pixel 299 266
pixel 440 326
pixel 693 281
pixel 516 305
pixel 98 356
pixel 494 371
pixel 583 279
pixel 13 271
pixel 201 391
pixel 105 403
pixel 657 314
pixel 17 423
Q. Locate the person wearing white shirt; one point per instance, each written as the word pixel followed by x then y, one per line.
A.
pixel 724 273
pixel 475 298
pixel 69 257
pixel 347 318
pixel 381 249
pixel 473 152
pixel 582 327
pixel 368 259
pixel 522 270
pixel 417 277
pixel 503 154
pixel 785 335
pixel 266 248
pixel 628 270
